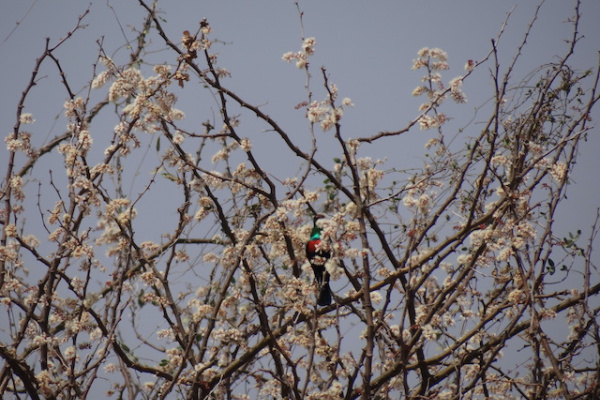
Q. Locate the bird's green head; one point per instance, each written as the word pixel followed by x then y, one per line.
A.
pixel 316 232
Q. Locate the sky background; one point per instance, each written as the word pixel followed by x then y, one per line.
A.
pixel 366 47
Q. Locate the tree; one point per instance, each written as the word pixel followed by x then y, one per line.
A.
pixel 458 283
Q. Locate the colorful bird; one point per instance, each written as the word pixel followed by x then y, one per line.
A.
pixel 318 253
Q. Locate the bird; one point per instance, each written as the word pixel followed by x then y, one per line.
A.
pixel 318 253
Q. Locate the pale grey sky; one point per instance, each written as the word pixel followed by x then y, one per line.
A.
pixel 367 48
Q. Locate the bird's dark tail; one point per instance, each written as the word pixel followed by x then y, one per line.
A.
pixel 322 278
pixel 324 298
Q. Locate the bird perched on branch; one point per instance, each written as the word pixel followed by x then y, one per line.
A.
pixel 317 252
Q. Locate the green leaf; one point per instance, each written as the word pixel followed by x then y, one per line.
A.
pixel 169 176
pixel 550 267
pixel 140 300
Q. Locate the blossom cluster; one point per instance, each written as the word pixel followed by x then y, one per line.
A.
pixel 301 57
pixel 145 101
pixel 21 141
pixel 435 60
pixel 324 113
